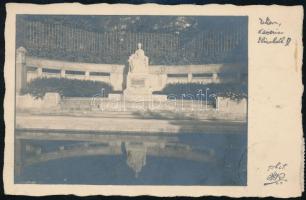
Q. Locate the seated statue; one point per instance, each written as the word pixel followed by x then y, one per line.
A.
pixel 138 62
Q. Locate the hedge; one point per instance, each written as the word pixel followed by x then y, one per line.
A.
pixel 66 87
pixel 234 91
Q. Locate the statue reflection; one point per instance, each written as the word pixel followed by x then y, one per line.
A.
pixel 134 148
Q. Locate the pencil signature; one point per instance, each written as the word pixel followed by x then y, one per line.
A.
pixel 277 174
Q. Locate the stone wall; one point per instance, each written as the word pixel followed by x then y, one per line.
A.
pixel 227 105
pixel 50 101
pixel 227 110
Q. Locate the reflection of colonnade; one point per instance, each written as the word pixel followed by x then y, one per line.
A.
pixel 134 147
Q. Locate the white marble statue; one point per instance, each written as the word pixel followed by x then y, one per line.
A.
pixel 138 62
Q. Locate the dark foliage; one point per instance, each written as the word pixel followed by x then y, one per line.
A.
pixel 66 87
pixel 235 91
pixel 167 40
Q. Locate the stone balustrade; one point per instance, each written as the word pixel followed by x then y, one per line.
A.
pixel 29 68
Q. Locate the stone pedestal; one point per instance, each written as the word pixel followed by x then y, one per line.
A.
pixel 138 88
pixel 51 100
pixel 137 84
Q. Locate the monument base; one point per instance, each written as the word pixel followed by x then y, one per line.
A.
pixel 138 84
pixel 137 97
pixel 141 98
pixel 138 89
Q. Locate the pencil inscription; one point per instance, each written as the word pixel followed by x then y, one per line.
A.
pixel 271 33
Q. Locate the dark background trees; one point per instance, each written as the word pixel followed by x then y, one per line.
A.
pixel 111 39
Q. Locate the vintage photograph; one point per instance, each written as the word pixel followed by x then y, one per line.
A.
pixel 131 100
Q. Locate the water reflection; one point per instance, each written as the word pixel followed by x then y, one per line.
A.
pixel 65 157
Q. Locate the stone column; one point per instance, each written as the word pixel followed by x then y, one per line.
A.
pixel 215 77
pixel 116 80
pixel 164 80
pixel 87 75
pixel 189 77
pixel 63 72
pixel 39 72
pixel 116 77
pixel 21 71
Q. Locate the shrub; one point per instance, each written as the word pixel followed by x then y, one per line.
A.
pixel 66 87
pixel 234 91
